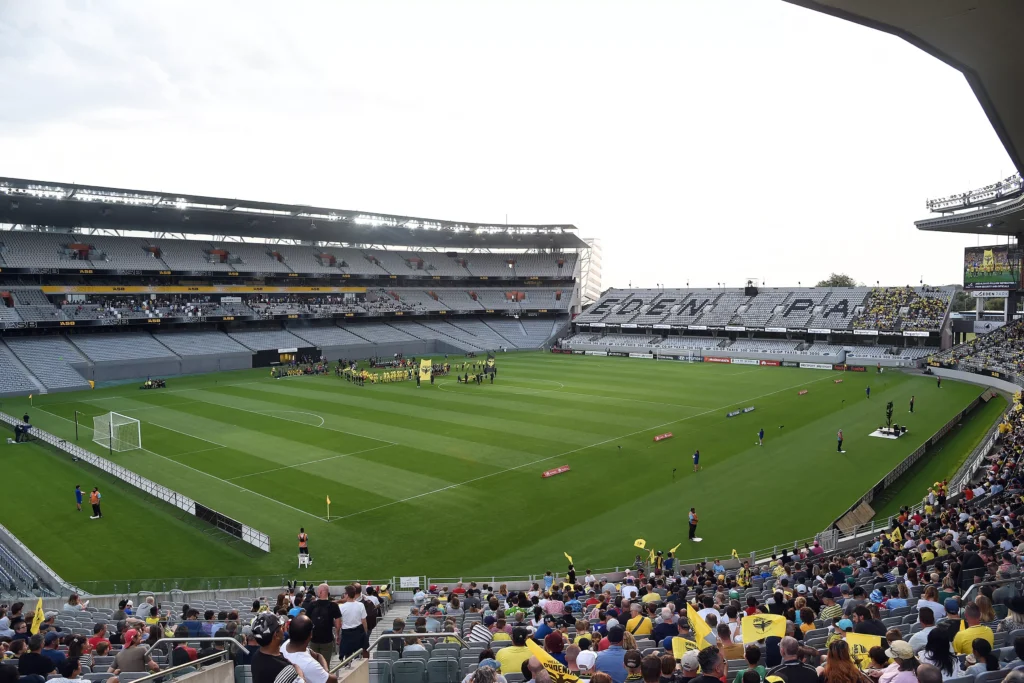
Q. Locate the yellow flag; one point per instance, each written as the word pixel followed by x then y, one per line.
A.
pixel 675 548
pixel 735 555
pixel 640 543
pixel 92 385
pixel 860 644
pixel 37 618
pixel 651 556
pixel 680 646
pixel 699 626
pixel 760 626
pixel 328 500
pixel 559 672
pixel 568 557
pixel 30 397
pixel 896 536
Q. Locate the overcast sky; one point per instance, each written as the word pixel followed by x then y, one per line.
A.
pixel 702 140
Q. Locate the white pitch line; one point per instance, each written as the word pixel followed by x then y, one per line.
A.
pixel 172 429
pixel 201 450
pixel 311 462
pixel 207 474
pixel 575 450
pixel 298 412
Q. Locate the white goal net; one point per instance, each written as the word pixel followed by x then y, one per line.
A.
pixel 117 432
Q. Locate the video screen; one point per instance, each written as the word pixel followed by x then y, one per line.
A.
pixel 995 267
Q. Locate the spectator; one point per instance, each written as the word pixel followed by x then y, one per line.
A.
pixel 792 670
pixel 839 667
pixel 1015 616
pixel 51 649
pixel 70 670
pixel 963 642
pixel 296 650
pixel 926 618
pixel 983 658
pixel 133 657
pixel 903 654
pixel 938 652
pixel 587 658
pixel 689 667
pixel 511 658
pixel 712 666
pixel 353 624
pixel 33 661
pixel 553 645
pixel 74 604
pixel 182 653
pixel 753 656
pixel 610 660
pixel 268 664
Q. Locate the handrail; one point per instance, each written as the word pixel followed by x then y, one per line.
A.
pixel 179 667
pixel 358 654
pixel 212 639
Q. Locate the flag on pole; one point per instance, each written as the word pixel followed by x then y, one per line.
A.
pixel 640 543
pixel 675 548
pixel 699 626
pixel 328 500
pixel 760 626
pixel 37 618
pixel 735 555
pixel 328 508
pixel 568 557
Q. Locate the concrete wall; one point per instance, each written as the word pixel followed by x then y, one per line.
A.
pixel 981 380
pixel 223 672
pixel 357 672
pixel 721 353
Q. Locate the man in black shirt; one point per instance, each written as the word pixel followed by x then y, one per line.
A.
pixel 712 666
pixel 863 623
pixel 34 661
pixel 792 670
pixel 326 617
pixel 268 664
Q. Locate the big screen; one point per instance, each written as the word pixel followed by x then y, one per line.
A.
pixel 994 267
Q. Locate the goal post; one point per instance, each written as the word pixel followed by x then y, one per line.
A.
pixel 117 432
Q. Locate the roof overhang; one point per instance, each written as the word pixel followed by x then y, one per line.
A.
pixel 62 205
pixel 978 37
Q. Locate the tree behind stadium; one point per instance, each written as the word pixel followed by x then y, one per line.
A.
pixel 838 280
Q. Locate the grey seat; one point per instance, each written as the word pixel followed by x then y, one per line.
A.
pixel 416 655
pixel 408 671
pixel 380 670
pixel 97 676
pixel 992 676
pixel 443 671
pixel 514 678
pixel 386 655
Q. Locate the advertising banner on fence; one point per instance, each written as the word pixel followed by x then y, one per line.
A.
pixel 641 355
pixel 790 364
pixel 819 330
pixel 408 582
pixel 579 352
pixel 597 353
pixel 915 333
pixel 735 328
pixel 716 359
pixel 555 349
pixel 866 333
pixel 775 329
pixel 662 327
pixel 772 363
pixel 816 366
pixel 696 327
pixel 744 361
pixel 597 324
pixel 628 326
pixel 618 354
pixel 856 368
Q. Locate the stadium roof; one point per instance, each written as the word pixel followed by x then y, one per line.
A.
pixel 978 38
pixel 62 205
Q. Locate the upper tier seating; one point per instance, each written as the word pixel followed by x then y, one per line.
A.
pixel 724 309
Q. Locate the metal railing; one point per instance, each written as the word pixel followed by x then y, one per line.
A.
pixel 200 639
pixel 194 665
pixel 358 654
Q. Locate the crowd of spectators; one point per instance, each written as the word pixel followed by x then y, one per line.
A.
pixel 896 308
pixel 1001 350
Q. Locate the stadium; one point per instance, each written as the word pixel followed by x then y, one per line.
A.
pixel 213 403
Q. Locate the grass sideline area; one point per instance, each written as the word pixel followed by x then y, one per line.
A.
pixel 446 480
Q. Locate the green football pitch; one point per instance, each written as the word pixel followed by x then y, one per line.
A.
pixel 445 480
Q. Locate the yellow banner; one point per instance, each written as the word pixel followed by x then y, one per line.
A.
pixel 197 289
pixel 860 644
pixel 640 543
pixel 568 557
pixel 760 626
pixel 680 646
pixel 425 368
pixel 699 627
pixel 37 618
pixel 559 672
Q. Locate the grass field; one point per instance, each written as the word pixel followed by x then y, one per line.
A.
pixel 445 480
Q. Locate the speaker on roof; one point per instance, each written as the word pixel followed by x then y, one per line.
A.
pixel 750 290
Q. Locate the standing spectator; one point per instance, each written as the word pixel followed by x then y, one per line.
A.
pixel 296 650
pixel 326 617
pixel 353 624
pixel 268 664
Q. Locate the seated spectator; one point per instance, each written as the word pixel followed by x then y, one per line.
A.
pixel 511 658
pixel 983 658
pixel 33 661
pixel 296 650
pixel 133 657
pixel 70 670
pixel 752 654
pixel 963 642
pixel 938 651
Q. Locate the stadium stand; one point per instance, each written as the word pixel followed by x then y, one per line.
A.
pixel 691 308
pixel 1001 350
pixel 440 331
pixel 840 309
pixel 724 308
pixel 330 335
pixel 49 358
pixel 899 308
pixel 259 340
pixel 13 377
pixel 798 310
pixel 381 333
pixel 120 347
pixel 761 308
pixel 199 343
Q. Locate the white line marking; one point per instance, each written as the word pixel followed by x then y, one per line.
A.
pixel 201 450
pixel 303 464
pixel 295 412
pixel 576 450
pixel 172 429
pixel 207 474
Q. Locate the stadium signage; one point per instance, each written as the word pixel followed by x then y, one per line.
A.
pixel 555 349
pixel 577 352
pixel 662 437
pixel 173 289
pixel 856 368
pixel 867 333
pixel 717 359
pixel 557 470
pixel 816 366
pixel 597 353
pixel 67 323
pixel 987 294
pixel 915 333
pixel 408 582
pixel 619 354
pixel 775 329
pixel 696 327
pixel 772 363
pixel 818 330
pixel 748 409
pixel 641 355
pixel 628 326
pixel 662 327
pixel 153 320
pixel 790 364
pixel 597 324
pixel 744 361
pixel 733 413
pixel 735 328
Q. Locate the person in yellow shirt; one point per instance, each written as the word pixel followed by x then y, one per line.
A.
pixel 962 641
pixel 651 597
pixel 512 657
pixel 639 625
pixel 743 575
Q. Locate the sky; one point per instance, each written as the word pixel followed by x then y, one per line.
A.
pixel 703 141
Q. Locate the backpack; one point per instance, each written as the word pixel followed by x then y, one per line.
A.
pixel 371 614
pixel 320 615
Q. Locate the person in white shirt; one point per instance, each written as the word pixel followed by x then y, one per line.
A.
pixel 353 623
pixel 628 590
pixel 920 639
pixel 588 578
pixel 296 650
